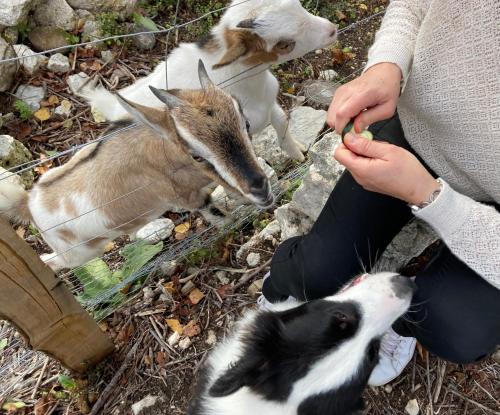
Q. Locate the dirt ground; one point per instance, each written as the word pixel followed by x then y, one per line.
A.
pixel 144 362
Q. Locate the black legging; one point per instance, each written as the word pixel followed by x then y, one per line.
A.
pixel 456 313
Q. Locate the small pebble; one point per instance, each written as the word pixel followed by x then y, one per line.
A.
pixel 253 259
pixel 255 288
pixel 388 388
pixel 222 277
pixel 412 407
pixel 173 339
pixel 211 338
pixel 185 343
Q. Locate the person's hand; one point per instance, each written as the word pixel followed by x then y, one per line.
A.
pixel 371 97
pixel 385 168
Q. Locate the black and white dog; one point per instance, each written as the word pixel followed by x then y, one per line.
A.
pixel 305 358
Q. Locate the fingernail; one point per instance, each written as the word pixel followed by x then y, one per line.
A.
pixel 351 138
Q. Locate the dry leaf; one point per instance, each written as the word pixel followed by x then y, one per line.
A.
pixel 161 358
pixel 183 227
pixel 196 296
pixel 225 291
pixel 169 286
pixel 53 100
pixel 192 329
pixel 147 360
pixel 20 232
pixel 109 247
pixel 175 325
pixel 363 6
pixel 43 167
pixel 340 15
pixel 43 114
pixel 181 236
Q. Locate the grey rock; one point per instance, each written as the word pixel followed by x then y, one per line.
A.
pixel 305 125
pixel 56 13
pixel 173 339
pixel 8 69
pixel 78 82
pixel 168 268
pixel 312 194
pixel 49 37
pixel 270 232
pixel 413 239
pixel 226 202
pixel 9 177
pixel 222 277
pixel 144 41
pixel 319 92
pixel 412 407
pixel 32 95
pixel 123 7
pixel 12 154
pixel 91 30
pixel 107 55
pixel 211 338
pixel 58 63
pixel 11 34
pixel 185 343
pixel 253 259
pixel 292 223
pixel 255 288
pixel 30 62
pixel 156 231
pixel 64 109
pixel 13 12
pixel 328 75
pixel 322 156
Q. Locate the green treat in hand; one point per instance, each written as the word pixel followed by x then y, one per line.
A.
pixel 349 128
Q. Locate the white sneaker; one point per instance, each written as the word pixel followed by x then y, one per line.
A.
pixel 265 305
pixel 395 353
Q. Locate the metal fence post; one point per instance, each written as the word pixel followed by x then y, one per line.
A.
pixel 43 309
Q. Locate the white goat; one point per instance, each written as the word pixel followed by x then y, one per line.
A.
pixel 116 186
pixel 250 37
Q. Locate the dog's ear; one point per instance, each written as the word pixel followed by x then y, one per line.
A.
pixel 261 351
pixel 243 373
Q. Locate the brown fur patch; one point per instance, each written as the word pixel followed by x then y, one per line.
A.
pixel 70 208
pixel 209 43
pixel 242 42
pixel 66 235
pixel 97 242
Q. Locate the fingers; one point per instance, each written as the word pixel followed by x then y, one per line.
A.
pixel 367 148
pixel 374 114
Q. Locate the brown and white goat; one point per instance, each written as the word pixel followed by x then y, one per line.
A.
pixel 116 186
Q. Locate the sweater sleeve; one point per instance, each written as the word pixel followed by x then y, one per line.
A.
pixel 470 229
pixel 395 40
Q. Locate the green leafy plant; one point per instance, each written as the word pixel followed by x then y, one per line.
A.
pixel 23 110
pixel 144 21
pixel 66 382
pixel 97 278
pixel 111 25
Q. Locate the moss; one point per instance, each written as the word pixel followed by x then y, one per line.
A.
pixel 18 154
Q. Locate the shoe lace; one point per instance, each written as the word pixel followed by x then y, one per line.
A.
pixel 389 344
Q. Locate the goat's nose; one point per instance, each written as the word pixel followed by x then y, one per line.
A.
pixel 258 184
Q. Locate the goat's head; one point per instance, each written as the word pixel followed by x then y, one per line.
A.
pixel 210 126
pixel 271 31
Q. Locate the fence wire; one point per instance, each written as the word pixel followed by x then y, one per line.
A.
pixel 17 362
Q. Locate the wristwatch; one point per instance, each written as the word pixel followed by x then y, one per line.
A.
pixel 432 197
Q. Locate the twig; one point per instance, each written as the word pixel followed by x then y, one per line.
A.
pixel 73 66
pixel 42 372
pixel 439 382
pixel 487 393
pixel 429 393
pixel 107 391
pixel 247 277
pixel 484 408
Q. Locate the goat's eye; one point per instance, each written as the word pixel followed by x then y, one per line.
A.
pixel 198 159
pixel 285 46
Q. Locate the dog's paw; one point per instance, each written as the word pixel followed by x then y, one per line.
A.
pixel 294 149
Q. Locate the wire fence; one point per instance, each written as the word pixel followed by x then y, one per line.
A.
pixel 16 362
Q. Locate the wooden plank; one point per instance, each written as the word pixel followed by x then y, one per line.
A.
pixel 43 309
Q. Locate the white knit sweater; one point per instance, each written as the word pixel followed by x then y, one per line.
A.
pixel 449 54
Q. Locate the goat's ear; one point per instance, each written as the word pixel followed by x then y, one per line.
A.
pixel 237 43
pixel 151 117
pixel 170 100
pixel 247 24
pixel 205 80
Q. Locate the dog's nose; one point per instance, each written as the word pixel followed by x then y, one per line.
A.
pixel 403 287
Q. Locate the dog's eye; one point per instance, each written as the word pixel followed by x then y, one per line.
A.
pixel 285 46
pixel 340 316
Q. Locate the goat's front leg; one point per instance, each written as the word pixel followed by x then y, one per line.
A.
pixel 288 144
